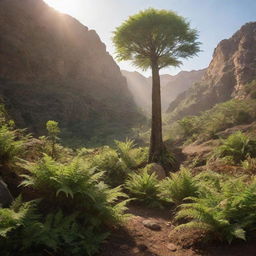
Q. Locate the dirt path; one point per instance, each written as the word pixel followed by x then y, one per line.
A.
pixel 134 239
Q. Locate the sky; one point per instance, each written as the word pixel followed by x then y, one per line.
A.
pixel 215 20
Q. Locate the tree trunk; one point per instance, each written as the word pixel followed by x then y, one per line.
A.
pixel 157 148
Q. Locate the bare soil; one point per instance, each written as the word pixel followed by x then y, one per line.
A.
pixel 134 239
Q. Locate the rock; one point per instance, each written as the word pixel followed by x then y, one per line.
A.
pixel 5 195
pixel 55 72
pixel 172 247
pixel 231 68
pixel 157 169
pixel 172 86
pixel 151 225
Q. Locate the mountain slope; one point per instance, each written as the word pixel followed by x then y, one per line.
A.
pixel 53 67
pixel 171 87
pixel 232 67
pixel 140 87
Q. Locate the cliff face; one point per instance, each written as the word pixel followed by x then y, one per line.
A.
pixel 171 87
pixel 232 67
pixel 53 67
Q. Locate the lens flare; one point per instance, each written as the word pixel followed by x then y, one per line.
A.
pixel 65 6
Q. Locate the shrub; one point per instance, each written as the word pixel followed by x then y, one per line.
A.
pixel 210 122
pixel 249 164
pixel 22 232
pixel 118 163
pixel 11 145
pixel 130 155
pixel 179 186
pixel 53 132
pixel 75 186
pixel 225 214
pixel 238 146
pixel 144 187
pixel 115 170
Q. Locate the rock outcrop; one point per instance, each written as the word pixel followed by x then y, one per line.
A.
pixel 53 67
pixel 5 195
pixel 232 67
pixel 171 87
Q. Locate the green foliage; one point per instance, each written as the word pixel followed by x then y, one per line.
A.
pixel 75 186
pixel 210 122
pixel 237 146
pixel 225 209
pixel 11 144
pixel 118 163
pixel 144 187
pixel 249 164
pixel 53 132
pixel 52 128
pixel 159 34
pixel 59 233
pixel 131 156
pixel 250 89
pixel 186 125
pixel 179 186
pixel 17 225
pixel 108 161
pixel 23 231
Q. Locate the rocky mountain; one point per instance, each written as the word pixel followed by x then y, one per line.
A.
pixel 171 86
pixel 233 66
pixel 53 67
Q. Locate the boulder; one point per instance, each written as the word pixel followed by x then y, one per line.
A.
pixel 157 169
pixel 5 195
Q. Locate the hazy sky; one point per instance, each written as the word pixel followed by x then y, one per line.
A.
pixel 214 19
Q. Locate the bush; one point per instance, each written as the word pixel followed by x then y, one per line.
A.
pixel 53 132
pixel 130 155
pixel 75 186
pixel 179 186
pixel 118 163
pixel 249 164
pixel 210 122
pixel 144 187
pixel 237 146
pixel 115 170
pixel 225 213
pixel 11 144
pixel 22 232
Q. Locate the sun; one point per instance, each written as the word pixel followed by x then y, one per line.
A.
pixel 65 6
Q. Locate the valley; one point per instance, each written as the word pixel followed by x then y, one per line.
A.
pixel 96 160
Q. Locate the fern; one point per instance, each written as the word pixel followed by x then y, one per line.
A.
pixel 144 187
pixel 249 164
pixel 225 213
pixel 75 185
pixel 238 146
pixel 11 145
pixel 179 186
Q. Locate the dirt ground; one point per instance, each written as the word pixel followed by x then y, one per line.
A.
pixel 134 239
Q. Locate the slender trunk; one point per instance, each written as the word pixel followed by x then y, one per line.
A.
pixel 157 148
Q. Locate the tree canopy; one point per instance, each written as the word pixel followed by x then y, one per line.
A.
pixel 161 36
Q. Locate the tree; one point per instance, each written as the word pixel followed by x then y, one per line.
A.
pixel 53 132
pixel 155 39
